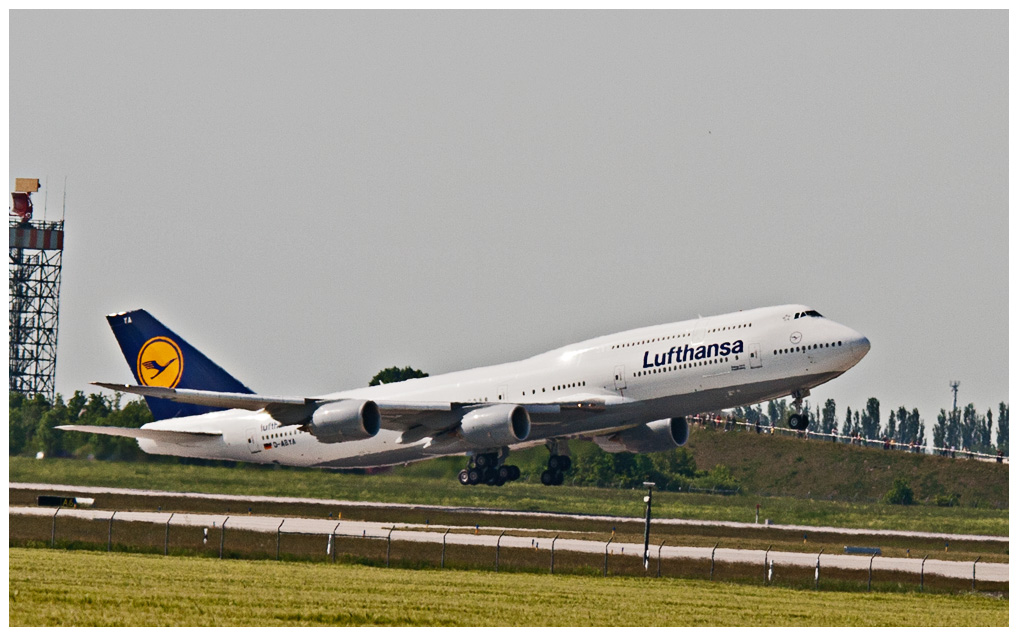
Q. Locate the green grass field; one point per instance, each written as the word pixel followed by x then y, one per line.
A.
pixel 409 485
pixel 77 588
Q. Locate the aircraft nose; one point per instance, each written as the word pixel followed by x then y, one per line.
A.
pixel 859 344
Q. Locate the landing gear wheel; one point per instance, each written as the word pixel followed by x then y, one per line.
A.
pixel 548 477
pixel 565 463
pixel 464 477
pixel 797 422
pixel 473 476
pixel 482 460
pixel 559 477
pixel 504 473
pixel 514 472
pixel 555 463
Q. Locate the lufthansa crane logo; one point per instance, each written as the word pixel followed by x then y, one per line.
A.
pixel 160 363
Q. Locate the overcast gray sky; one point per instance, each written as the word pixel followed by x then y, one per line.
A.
pixel 310 197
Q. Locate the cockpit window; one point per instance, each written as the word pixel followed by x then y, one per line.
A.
pixel 807 313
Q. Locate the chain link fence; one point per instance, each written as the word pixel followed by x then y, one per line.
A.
pixel 255 537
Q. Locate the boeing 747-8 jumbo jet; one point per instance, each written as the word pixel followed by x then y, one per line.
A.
pixel 630 391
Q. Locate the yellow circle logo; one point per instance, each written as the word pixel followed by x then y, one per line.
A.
pixel 160 363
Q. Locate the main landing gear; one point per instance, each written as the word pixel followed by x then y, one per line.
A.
pixel 558 463
pixel 488 468
pixel 797 420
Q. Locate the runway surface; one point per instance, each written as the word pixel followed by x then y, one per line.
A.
pixel 516 537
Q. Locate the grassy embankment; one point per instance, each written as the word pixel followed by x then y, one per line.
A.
pixel 823 470
pixel 48 588
pixel 413 485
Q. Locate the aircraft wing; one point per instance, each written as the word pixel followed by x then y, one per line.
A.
pixel 292 410
pixel 289 410
pixel 424 417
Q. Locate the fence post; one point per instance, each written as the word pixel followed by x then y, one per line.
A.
pixel 497 543
pixel 713 561
pixel 53 531
pixel 660 559
pixel 332 542
pixel 922 562
pixel 389 544
pixel 109 537
pixel 551 568
pixel 222 536
pixel 975 573
pixel 278 530
pixel 817 570
pixel 870 571
pixel 442 562
pixel 605 569
pixel 766 564
pixel 166 538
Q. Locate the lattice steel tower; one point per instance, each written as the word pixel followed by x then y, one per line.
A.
pixel 35 250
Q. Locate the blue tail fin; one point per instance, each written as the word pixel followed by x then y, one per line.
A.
pixel 158 357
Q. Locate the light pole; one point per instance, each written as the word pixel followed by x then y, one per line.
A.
pixel 647 523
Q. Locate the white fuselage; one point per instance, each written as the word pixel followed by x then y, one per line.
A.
pixel 646 374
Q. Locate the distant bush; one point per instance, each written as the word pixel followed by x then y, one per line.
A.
pixel 947 500
pixel 719 478
pixel 900 493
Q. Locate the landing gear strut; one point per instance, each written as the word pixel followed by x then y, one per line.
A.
pixel 488 468
pixel 558 463
pixel 797 420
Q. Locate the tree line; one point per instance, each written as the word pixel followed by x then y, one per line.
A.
pixel 33 421
pixel 964 430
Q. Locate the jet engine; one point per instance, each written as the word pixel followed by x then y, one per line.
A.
pixel 496 426
pixel 345 420
pixel 660 435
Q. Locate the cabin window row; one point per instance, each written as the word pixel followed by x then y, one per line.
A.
pixel 731 327
pixel 673 368
pixel 651 340
pixel 582 383
pixel 804 348
pixel 281 434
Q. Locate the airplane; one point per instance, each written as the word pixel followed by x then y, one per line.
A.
pixel 630 391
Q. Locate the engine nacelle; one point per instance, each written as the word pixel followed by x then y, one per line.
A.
pixel 660 435
pixel 496 426
pixel 345 420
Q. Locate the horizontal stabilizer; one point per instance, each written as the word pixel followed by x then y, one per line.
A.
pixel 158 435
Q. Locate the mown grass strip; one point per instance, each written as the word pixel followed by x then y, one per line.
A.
pixel 57 588
pixel 417 489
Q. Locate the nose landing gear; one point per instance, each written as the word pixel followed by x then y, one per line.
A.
pixel 799 421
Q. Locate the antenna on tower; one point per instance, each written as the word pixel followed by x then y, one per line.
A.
pixel 955 394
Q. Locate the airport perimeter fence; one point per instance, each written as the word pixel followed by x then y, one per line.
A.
pixel 178 535
pixel 730 424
